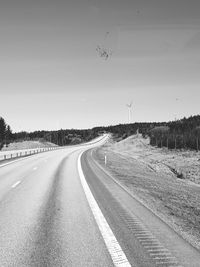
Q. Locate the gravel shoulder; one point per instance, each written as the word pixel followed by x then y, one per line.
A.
pixel 167 182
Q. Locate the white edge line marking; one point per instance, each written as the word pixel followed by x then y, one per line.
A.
pixel 116 252
pixel 13 161
pixel 16 184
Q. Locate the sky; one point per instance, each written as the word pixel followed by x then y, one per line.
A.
pixel 52 75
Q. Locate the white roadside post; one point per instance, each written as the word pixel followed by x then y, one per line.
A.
pixel 105 159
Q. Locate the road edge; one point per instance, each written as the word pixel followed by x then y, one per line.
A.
pixel 114 249
pixel 180 234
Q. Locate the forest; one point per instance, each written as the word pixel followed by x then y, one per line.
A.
pixel 178 134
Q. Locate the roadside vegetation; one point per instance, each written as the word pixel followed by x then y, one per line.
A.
pixel 181 134
pixel 5 132
pixel 166 181
pixel 178 134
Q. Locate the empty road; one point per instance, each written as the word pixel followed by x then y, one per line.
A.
pixel 60 208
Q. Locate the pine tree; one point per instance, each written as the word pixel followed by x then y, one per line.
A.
pixel 8 134
pixel 2 131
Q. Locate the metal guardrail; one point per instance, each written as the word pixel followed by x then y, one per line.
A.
pixel 5 155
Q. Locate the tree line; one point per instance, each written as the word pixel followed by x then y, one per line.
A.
pixel 60 137
pixel 178 134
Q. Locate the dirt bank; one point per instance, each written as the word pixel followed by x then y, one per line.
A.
pixel 167 182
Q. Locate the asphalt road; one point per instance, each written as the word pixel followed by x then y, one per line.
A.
pixel 146 240
pixel 7 155
pixel 49 217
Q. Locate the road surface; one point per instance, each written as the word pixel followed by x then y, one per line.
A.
pixel 24 152
pixel 60 208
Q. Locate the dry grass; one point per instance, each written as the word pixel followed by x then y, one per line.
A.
pixel 175 200
pixel 27 145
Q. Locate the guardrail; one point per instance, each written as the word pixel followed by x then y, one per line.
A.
pixel 5 155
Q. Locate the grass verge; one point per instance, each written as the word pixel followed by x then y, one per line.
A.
pixel 174 200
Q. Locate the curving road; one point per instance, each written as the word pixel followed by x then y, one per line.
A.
pixel 62 209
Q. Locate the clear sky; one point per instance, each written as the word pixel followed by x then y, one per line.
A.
pixel 51 75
